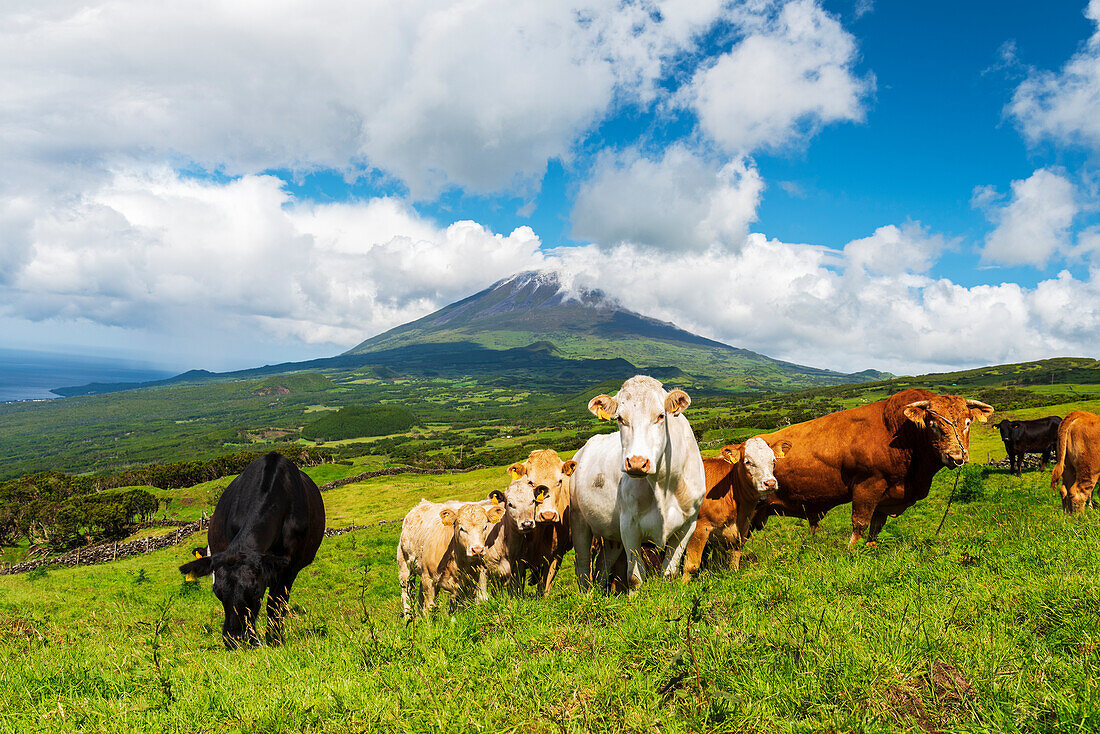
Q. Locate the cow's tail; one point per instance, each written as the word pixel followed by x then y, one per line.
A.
pixel 1060 461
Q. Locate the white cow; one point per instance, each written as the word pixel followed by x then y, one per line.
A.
pixel 643 483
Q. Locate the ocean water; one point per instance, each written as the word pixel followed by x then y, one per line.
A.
pixel 26 375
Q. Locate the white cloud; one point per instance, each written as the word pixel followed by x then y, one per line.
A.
pixel 789 76
pixel 154 252
pixel 894 250
pixel 474 94
pixel 1064 106
pixel 678 202
pixel 1033 225
pixel 233 274
pixel 821 307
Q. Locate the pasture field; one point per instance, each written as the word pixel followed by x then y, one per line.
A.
pixel 992 625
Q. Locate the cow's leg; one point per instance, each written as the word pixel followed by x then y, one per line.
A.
pixel 631 536
pixel 403 576
pixel 278 603
pixel 482 585
pixel 732 536
pixel 693 556
pixel 865 498
pixel 582 551
pixel 551 572
pixel 609 559
pixel 878 519
pixel 677 544
pixel 427 594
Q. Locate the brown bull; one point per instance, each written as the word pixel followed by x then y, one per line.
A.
pixel 881 457
pixel 1078 463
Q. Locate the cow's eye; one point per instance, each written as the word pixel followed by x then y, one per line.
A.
pixel 660 418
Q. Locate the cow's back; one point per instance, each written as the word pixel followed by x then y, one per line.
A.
pixel 1082 434
pixel 271 507
pixel 828 454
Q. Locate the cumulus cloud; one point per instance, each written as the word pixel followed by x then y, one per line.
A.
pixel 822 307
pixel 679 201
pixel 152 250
pixel 219 272
pixel 1033 225
pixel 894 250
pixel 791 74
pixel 1063 106
pixel 478 95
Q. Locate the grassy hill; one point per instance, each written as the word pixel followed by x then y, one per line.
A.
pixel 988 626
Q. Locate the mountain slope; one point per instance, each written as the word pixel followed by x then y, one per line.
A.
pixel 534 307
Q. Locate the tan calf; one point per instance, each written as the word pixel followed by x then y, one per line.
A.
pixel 735 483
pixel 548 477
pixel 446 547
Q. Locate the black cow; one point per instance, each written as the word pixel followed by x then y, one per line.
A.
pixel 1036 436
pixel 266 528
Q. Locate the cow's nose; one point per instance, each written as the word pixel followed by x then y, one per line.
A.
pixel 527 525
pixel 477 550
pixel 637 465
pixel 548 516
pixel 770 483
pixel 956 459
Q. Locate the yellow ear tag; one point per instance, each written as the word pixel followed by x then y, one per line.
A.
pixel 198 555
pixel 514 474
pixel 495 499
pixel 779 453
pixel 191 577
pixel 602 414
pixel 540 497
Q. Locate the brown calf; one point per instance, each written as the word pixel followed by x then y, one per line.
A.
pixel 735 483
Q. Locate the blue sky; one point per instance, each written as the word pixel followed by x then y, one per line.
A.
pixel 846 184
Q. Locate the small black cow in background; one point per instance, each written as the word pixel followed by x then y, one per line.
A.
pixel 266 528
pixel 1036 436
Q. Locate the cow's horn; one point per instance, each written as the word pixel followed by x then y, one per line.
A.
pixel 978 404
pixel 919 404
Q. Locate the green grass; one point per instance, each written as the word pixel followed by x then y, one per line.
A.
pixel 989 627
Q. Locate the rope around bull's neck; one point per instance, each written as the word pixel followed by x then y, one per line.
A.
pixel 951 497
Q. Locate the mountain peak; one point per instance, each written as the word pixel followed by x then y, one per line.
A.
pixel 547 312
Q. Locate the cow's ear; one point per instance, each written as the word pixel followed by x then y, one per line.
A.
pixel 199 552
pixel 496 496
pixel 780 449
pixel 495 513
pixel 447 516
pixel 979 411
pixel 568 468
pixel 200 567
pixel 677 402
pixel 917 412
pixel 603 407
pixel 517 470
pixel 732 454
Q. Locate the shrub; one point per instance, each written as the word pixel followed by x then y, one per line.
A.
pixel 356 421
